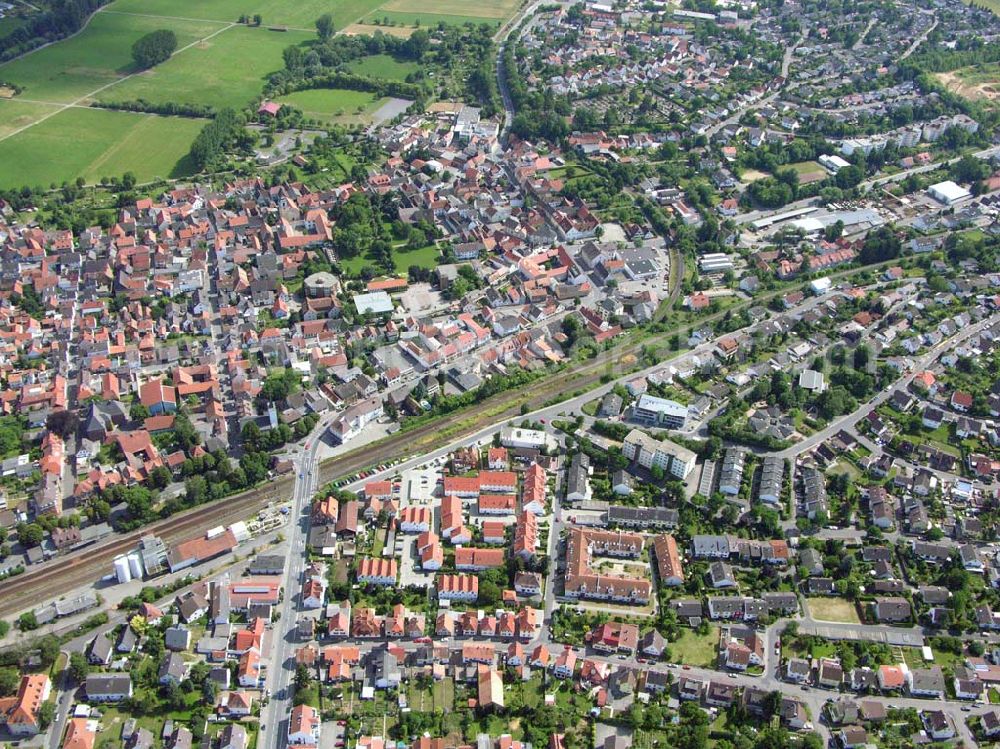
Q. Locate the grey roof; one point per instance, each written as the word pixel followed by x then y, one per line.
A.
pixel 927 679
pixel 108 684
pixel 665 517
pixel 709 546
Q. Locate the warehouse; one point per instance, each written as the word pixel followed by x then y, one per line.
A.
pixel 948 193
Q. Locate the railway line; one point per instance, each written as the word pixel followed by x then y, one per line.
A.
pixel 66 574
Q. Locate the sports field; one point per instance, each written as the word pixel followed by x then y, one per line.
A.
pixel 809 171
pixel 335 105
pixel 383 66
pixel 93 143
pixel 228 70
pixel 97 56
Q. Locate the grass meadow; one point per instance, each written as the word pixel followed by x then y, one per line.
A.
pixel 383 66
pixel 292 13
pixel 99 55
pixel 334 105
pixel 226 71
pixel 16 114
pixel 93 143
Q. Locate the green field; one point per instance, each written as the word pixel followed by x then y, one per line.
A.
pixel 300 13
pixel 425 257
pixel 16 114
pixel 334 104
pixel 452 12
pixel 693 649
pixel 425 20
pixel 96 57
pixel 383 66
pixel 226 71
pixel 93 143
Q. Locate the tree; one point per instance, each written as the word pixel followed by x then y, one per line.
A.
pixel 10 679
pixel 880 245
pixel 325 27
pixel 257 19
pixel 138 412
pixel 489 593
pixel 154 48
pixel 63 423
pixel 45 714
pixel 27 621
pixel 30 534
pixel 78 666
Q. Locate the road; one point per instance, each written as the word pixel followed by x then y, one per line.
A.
pixel 503 38
pixel 919 40
pixel 73 571
pixel 848 421
pixel 67 688
pixel 786 63
pixel 281 663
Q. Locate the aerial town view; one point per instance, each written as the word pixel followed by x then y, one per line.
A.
pixel 499 374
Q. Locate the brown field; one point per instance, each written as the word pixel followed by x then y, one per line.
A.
pixel 445 106
pixel 752 175
pixel 978 83
pixel 365 29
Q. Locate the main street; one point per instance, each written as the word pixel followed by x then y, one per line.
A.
pixel 281 662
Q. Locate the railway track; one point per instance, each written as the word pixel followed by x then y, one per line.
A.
pixel 64 575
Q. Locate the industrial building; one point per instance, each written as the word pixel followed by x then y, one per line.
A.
pixel 948 193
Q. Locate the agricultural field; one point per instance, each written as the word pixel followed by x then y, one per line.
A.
pixel 383 66
pixel 16 114
pixel 291 13
pixel 433 12
pixel 227 70
pixel 335 105
pixel 93 143
pixel 976 82
pixel 98 56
